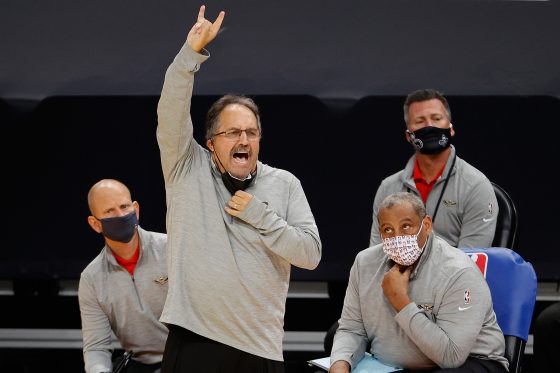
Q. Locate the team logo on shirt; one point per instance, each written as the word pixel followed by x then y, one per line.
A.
pixel 467 296
pixel 161 280
pixel 449 202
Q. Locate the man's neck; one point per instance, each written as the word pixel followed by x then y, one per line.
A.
pixel 431 164
pixel 124 250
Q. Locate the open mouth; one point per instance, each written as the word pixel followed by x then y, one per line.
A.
pixel 241 157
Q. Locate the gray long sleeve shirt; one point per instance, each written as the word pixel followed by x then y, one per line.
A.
pixel 228 276
pixel 112 300
pixel 450 316
pixel 467 213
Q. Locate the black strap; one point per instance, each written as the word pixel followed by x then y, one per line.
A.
pixel 444 187
pixel 443 190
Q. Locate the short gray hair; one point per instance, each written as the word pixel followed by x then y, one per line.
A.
pixel 425 95
pixel 404 198
pixel 213 115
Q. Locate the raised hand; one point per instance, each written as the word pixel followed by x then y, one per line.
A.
pixel 204 31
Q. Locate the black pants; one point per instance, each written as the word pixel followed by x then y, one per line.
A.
pixel 472 365
pixel 187 352
pixel 134 366
pixel 546 343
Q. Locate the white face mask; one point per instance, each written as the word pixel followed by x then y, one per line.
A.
pixel 403 250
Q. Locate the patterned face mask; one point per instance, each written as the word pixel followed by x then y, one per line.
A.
pixel 403 250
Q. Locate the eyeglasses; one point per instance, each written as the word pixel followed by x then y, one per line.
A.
pixel 234 134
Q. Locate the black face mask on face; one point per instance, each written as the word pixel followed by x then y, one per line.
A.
pixel 120 228
pixel 430 140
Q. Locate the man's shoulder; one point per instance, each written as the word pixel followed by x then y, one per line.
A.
pixel 154 241
pixel 469 173
pixel 269 172
pixel 392 183
pixel 95 266
pixel 396 177
pixel 450 257
pixel 152 234
pixel 370 255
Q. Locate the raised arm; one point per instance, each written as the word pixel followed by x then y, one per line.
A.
pixel 175 130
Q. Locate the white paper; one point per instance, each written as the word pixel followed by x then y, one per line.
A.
pixel 368 364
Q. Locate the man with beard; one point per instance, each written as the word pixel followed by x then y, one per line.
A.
pixel 459 197
pixel 235 226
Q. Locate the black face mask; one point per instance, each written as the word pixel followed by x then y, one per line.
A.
pixel 234 184
pixel 431 140
pixel 120 228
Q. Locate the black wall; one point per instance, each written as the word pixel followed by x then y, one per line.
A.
pixel 327 48
pixel 80 81
pixel 341 149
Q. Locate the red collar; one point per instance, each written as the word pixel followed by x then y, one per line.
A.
pixel 129 264
pixel 421 184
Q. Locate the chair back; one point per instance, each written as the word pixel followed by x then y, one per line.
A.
pixel 506 225
pixel 513 284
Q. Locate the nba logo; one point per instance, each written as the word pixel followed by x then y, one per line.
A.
pixel 481 261
pixel 467 296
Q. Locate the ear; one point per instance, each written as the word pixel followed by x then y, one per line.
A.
pixel 452 129
pixel 94 224
pixel 136 206
pixel 428 224
pixel 210 144
pixel 407 135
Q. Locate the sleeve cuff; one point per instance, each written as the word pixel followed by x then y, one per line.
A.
pixel 190 59
pixel 404 317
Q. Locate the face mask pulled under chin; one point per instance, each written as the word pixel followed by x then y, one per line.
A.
pixel 431 140
pixel 234 184
pixel 120 228
pixel 403 250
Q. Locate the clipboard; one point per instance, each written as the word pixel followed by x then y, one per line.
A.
pixel 368 364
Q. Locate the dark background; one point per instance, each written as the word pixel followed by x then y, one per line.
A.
pixel 326 48
pixel 339 148
pixel 80 83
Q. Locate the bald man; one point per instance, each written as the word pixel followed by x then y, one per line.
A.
pixel 123 289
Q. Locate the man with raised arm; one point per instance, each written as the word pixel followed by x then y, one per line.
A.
pixel 235 227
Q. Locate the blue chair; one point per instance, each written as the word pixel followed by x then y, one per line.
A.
pixel 513 284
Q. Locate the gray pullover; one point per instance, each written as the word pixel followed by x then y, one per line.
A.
pixel 228 276
pixel 450 316
pixel 112 300
pixel 467 213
